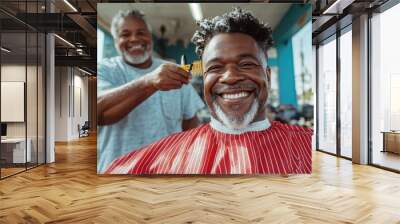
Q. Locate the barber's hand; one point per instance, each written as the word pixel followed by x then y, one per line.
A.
pixel 168 76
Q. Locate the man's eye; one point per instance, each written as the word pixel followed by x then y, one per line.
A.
pixel 215 68
pixel 124 35
pixel 248 65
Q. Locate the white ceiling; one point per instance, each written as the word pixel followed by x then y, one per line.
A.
pixel 178 19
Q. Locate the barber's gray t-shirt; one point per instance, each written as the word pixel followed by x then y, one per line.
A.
pixel 159 115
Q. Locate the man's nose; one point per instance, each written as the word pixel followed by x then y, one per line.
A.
pixel 231 75
pixel 134 37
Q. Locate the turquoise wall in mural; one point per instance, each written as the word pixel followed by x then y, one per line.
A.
pixel 108 46
pixel 176 50
pixel 297 16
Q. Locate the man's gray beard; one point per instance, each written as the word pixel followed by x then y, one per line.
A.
pixel 136 60
pixel 235 122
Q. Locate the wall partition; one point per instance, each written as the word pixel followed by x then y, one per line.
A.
pixel 14 156
pixel 22 78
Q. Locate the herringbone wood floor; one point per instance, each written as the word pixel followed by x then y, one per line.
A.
pixel 69 191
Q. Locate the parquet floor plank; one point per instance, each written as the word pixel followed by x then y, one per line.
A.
pixel 70 191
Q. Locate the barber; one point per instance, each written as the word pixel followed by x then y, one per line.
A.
pixel 140 98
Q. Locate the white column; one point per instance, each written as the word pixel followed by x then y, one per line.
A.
pixel 50 92
pixel 360 90
pixel 50 100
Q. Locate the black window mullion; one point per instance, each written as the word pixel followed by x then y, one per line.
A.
pixel 369 95
pixel 316 97
pixel 26 86
pixel 44 71
pixel 37 90
pixel 338 98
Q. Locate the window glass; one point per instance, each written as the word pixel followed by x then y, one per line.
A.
pixel 327 97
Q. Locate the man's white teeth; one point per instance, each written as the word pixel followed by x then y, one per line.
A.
pixel 136 47
pixel 234 95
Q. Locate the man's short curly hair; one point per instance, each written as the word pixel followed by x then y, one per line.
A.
pixel 235 21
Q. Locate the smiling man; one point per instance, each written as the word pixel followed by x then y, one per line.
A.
pixel 239 139
pixel 141 98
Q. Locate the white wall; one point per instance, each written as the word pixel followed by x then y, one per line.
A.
pixel 71 87
pixel 61 103
pixel 12 73
pixel 33 127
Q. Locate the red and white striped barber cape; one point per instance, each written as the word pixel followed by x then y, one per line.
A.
pixel 279 149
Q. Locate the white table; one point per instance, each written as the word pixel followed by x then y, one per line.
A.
pixel 18 150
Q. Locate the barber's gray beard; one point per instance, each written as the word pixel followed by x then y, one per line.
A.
pixel 135 60
pixel 236 122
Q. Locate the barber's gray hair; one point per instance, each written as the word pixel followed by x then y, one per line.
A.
pixel 121 15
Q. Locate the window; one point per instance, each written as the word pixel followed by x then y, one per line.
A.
pixel 327 97
pixel 385 89
pixel 346 94
pixel 22 66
